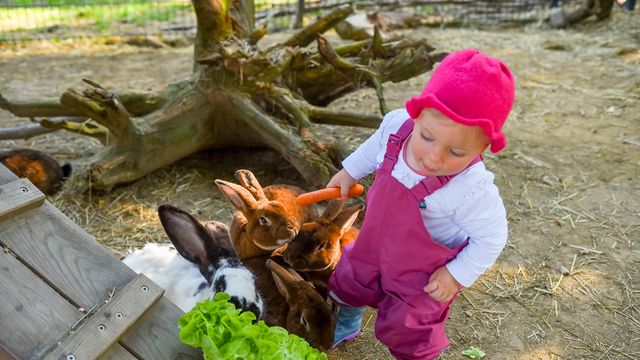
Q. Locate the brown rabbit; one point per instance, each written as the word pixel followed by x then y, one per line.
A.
pixel 266 218
pixel 302 310
pixel 41 169
pixel 317 248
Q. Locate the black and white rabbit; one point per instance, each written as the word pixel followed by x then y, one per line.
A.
pixel 200 263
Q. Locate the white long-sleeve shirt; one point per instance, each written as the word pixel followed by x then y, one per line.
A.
pixel 468 206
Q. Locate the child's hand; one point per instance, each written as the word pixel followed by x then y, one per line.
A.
pixel 442 286
pixel 343 180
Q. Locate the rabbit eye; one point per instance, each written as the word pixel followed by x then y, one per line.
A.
pixel 264 221
pixel 320 247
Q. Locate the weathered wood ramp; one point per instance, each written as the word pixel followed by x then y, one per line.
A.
pixel 64 296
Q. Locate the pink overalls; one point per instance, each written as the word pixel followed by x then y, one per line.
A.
pixel 392 259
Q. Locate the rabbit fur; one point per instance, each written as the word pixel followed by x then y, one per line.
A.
pixel 317 248
pixel 267 218
pixel 200 263
pixel 291 302
pixel 41 169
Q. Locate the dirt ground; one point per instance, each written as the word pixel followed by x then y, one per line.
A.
pixel 567 286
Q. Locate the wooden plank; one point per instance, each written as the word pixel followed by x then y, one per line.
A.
pixel 69 259
pixel 117 352
pixel 159 323
pixel 33 316
pixel 77 266
pixel 6 175
pixel 106 326
pixel 5 354
pixel 18 196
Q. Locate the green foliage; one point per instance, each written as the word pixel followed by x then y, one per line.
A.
pixel 222 332
pixel 265 4
pixel 47 3
pixel 474 353
pixel 101 17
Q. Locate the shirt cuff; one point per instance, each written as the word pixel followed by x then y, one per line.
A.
pixel 461 273
pixel 335 298
pixel 352 167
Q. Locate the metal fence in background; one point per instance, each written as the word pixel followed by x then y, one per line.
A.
pixel 51 19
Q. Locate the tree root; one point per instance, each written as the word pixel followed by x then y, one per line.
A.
pixel 316 168
pixel 102 106
pixel 322 115
pixel 354 72
pixel 83 127
pixel 35 108
pixel 25 132
pixel 309 33
pixel 238 95
pixel 137 103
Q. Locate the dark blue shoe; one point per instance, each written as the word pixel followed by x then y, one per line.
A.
pixel 627 5
pixel 348 324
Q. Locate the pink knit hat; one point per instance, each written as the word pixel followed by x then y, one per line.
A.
pixel 471 88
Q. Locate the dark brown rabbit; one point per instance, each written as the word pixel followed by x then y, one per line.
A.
pixel 317 248
pixel 308 315
pixel 41 169
pixel 266 218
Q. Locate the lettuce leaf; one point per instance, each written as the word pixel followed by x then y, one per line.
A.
pixel 223 332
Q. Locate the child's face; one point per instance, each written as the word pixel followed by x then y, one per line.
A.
pixel 440 146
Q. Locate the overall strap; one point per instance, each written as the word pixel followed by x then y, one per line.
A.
pixel 430 184
pixel 394 145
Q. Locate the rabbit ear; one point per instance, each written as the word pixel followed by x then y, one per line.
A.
pixel 191 239
pixel 240 198
pixel 295 276
pixel 347 217
pixel 219 233
pixel 249 182
pixel 185 233
pixel 284 279
pixel 332 210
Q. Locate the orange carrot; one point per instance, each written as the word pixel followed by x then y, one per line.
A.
pixel 329 193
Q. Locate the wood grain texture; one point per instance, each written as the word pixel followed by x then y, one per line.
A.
pixel 6 175
pixel 106 326
pixel 5 354
pixel 18 196
pixel 160 323
pixel 60 252
pixel 77 267
pixel 33 316
pixel 117 352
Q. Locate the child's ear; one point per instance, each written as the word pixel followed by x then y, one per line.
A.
pixel 484 147
pixel 486 142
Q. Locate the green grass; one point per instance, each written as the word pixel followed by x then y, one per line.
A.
pixel 27 18
pixel 48 3
pixel 267 4
pixel 39 19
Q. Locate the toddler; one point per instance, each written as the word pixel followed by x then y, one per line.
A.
pixel 435 220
